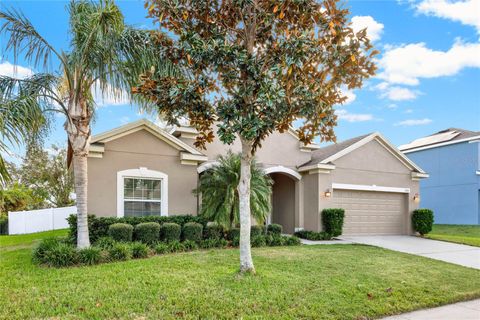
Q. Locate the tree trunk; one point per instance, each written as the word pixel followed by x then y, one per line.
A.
pixel 246 262
pixel 81 181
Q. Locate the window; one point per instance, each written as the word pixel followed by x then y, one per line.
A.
pixel 142 192
pixel 142 197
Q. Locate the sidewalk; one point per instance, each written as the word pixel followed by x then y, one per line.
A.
pixel 469 310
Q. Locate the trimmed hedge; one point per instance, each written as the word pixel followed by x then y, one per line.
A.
pixel 98 226
pixel 312 235
pixel 147 232
pixel 422 221
pixel 170 232
pixel 257 231
pixel 233 233
pixel 121 232
pixel 274 228
pixel 3 224
pixel 213 231
pixel 192 231
pixel 333 221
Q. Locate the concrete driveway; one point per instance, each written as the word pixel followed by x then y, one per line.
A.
pixel 464 255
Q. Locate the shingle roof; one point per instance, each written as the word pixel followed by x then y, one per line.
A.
pixel 449 135
pixel 323 153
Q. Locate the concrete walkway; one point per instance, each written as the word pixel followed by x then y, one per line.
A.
pixel 460 254
pixel 313 242
pixel 469 310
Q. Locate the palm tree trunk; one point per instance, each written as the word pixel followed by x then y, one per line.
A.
pixel 246 262
pixel 81 181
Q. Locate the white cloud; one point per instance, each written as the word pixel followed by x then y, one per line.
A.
pixel 15 71
pixel 467 12
pixel 352 117
pixel 408 63
pixel 110 96
pixel 399 94
pixel 374 28
pixel 409 111
pixel 351 96
pixel 414 122
pixel 392 106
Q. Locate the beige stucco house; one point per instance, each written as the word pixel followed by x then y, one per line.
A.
pixel 140 169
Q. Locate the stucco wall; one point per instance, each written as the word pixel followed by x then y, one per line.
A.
pixel 370 164
pixel 139 149
pixel 452 190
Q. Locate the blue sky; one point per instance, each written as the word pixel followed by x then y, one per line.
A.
pixel 428 77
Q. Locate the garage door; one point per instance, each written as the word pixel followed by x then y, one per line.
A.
pixel 372 213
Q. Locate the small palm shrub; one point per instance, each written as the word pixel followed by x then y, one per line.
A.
pixel 233 233
pixel 147 232
pixel 139 250
pixel 220 199
pixel 90 256
pixel 105 243
pixel 190 245
pixel 121 232
pixel 192 231
pixel 61 255
pixel 292 241
pixel 422 221
pixel 235 241
pixel 258 241
pixel 120 252
pixel 275 240
pixel 312 235
pixel 40 252
pixel 208 243
pixel 176 246
pixel 257 231
pixel 161 248
pixel 170 232
pixel 213 231
pixel 274 228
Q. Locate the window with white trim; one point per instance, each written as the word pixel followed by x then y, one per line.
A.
pixel 142 196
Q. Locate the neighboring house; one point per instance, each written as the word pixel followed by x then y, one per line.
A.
pixel 452 158
pixel 139 169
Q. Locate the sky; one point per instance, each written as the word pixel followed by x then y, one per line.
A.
pixel 428 76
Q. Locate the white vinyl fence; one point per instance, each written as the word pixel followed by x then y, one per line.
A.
pixel 22 222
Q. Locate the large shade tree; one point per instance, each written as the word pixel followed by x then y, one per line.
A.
pixel 103 54
pixel 254 67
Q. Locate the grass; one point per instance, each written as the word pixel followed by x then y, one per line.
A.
pixel 322 282
pixel 464 234
pixel 28 240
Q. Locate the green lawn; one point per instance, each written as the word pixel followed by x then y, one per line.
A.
pixel 465 234
pixel 322 282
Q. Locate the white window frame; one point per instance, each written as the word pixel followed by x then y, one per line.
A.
pixel 142 173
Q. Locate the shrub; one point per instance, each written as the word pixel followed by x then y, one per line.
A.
pixel 333 221
pixel 61 255
pixel 139 250
pixel 3 224
pixel 121 232
pixel 312 235
pixel 176 246
pixel 90 256
pixel 422 220
pixel 258 241
pixel 170 232
pixel 292 241
pixel 192 231
pixel 105 243
pixel 120 252
pixel 274 228
pixel 209 243
pixel 162 248
pixel 275 240
pixel 190 245
pixel 222 243
pixel 147 232
pixel 236 241
pixel 46 245
pixel 213 231
pixel 233 233
pixel 257 231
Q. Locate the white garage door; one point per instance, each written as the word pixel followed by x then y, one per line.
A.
pixel 372 213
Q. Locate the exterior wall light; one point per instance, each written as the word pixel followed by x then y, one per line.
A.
pixel 328 194
pixel 416 198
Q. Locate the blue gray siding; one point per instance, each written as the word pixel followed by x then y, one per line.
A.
pixel 452 190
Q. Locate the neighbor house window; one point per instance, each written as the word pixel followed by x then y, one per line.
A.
pixel 142 192
pixel 142 197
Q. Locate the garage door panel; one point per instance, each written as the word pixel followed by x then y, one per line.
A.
pixel 372 213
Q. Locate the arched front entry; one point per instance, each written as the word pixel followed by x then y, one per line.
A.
pixel 285 182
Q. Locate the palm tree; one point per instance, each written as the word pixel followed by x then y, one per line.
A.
pixel 218 188
pixel 104 53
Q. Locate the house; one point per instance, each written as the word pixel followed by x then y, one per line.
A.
pixel 452 158
pixel 140 169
